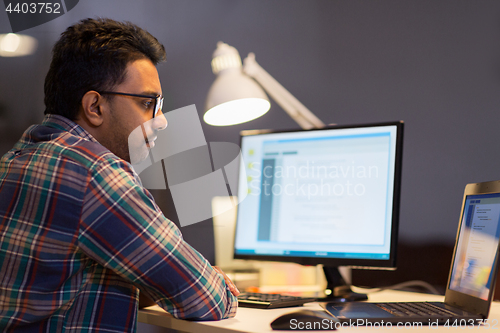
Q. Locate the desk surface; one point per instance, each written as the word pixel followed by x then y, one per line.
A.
pixel 257 320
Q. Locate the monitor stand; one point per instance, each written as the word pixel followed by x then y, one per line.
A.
pixel 337 290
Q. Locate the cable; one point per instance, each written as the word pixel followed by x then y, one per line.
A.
pixel 413 283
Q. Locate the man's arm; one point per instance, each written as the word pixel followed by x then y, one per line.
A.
pixel 232 287
pixel 124 230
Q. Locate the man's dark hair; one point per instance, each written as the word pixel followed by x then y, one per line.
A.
pixel 93 55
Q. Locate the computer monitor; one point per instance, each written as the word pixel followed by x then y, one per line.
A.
pixel 327 196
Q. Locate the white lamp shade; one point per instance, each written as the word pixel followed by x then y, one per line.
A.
pixel 234 98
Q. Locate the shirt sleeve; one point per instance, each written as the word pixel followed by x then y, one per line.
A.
pixel 123 229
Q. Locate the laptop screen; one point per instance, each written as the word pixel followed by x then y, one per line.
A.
pixel 477 246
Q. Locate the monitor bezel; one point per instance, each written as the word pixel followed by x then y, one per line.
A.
pixel 347 262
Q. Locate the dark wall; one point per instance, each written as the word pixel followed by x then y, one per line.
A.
pixel 433 63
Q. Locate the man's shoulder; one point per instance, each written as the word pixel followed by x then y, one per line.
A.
pixel 66 145
pixel 89 154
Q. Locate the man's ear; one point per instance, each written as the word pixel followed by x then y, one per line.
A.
pixel 92 104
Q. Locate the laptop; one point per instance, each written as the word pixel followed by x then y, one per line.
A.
pixel 471 282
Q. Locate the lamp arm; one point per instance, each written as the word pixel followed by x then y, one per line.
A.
pixel 295 109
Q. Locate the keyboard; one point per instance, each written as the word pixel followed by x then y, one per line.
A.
pixel 414 309
pixel 271 301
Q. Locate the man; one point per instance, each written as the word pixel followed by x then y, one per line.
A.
pixel 79 235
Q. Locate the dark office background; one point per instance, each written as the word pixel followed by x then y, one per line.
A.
pixel 433 63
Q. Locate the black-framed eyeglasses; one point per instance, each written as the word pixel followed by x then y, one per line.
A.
pixel 157 98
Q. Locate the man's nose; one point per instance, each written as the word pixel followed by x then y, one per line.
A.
pixel 160 122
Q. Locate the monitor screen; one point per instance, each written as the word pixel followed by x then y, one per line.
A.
pixel 327 196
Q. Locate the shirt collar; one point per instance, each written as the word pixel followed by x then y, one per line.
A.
pixel 63 123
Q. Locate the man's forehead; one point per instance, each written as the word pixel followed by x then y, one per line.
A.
pixel 142 76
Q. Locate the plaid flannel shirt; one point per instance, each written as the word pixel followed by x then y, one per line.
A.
pixel 79 235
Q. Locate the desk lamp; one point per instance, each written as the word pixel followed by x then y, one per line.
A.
pixel 236 97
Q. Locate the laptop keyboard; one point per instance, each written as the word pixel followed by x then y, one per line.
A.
pixel 414 309
pixel 271 301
